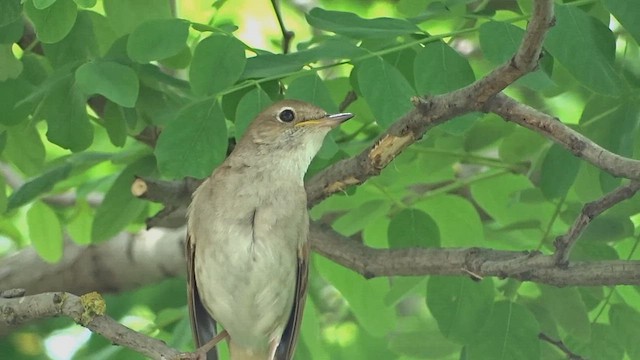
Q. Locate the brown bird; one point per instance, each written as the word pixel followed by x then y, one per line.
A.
pixel 247 249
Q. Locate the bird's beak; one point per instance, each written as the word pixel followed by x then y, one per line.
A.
pixel 329 120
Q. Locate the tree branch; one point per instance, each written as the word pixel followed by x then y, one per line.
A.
pixel 560 345
pixel 433 111
pixel 87 310
pixel 519 265
pixel 552 128
pixel 287 35
pixel 565 243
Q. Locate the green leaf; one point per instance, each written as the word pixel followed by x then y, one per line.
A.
pixel 157 39
pixel 500 198
pixel 11 93
pixel 53 23
pixel 267 65
pixel 68 125
pixel 38 186
pixel 511 332
pixel 81 44
pixel 10 67
pixel 179 61
pixel 460 305
pixel 10 11
pixel 79 227
pixel 413 228
pixel 249 107
pixel 119 207
pixel 385 90
pixel 12 32
pixel 486 131
pixel 521 145
pixel 608 228
pixel 458 221
pixel 604 344
pixel 439 69
pixel 310 333
pixel 567 308
pixel 218 62
pixel 625 322
pixel 582 45
pixel 499 40
pixel 3 192
pixel 627 13
pixel 87 4
pixel 126 15
pixel 193 143
pixel 365 297
pixel 114 81
pixel 24 148
pixel 115 123
pixel 424 341
pixel 311 89
pixel 558 172
pixel 358 218
pixel 350 24
pixel 42 4
pixel 45 232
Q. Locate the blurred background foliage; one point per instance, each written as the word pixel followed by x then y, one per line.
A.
pixel 196 72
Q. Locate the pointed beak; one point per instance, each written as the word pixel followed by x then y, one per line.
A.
pixel 329 120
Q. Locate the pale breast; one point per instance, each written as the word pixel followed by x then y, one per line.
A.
pixel 246 257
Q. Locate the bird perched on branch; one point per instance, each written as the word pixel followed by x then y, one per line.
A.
pixel 247 249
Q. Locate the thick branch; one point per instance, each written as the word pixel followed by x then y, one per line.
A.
pixel 520 265
pixel 124 262
pixel 88 311
pixel 565 243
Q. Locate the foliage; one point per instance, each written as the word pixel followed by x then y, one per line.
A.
pixel 77 105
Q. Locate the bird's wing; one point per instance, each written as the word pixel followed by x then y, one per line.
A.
pixel 203 325
pixel 287 345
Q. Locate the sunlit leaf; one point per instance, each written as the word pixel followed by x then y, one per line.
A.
pixel 45 232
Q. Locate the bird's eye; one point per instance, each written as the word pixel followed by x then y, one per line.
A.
pixel 286 115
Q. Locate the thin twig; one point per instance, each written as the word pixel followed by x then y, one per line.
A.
pixel 565 243
pixel 560 345
pixel 287 35
pixel 348 100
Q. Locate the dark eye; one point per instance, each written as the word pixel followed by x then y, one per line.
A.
pixel 286 115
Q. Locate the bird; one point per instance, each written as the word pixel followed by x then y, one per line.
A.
pixel 247 248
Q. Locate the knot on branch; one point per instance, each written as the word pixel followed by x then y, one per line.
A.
pixel 422 103
pixel 94 305
pixel 12 293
